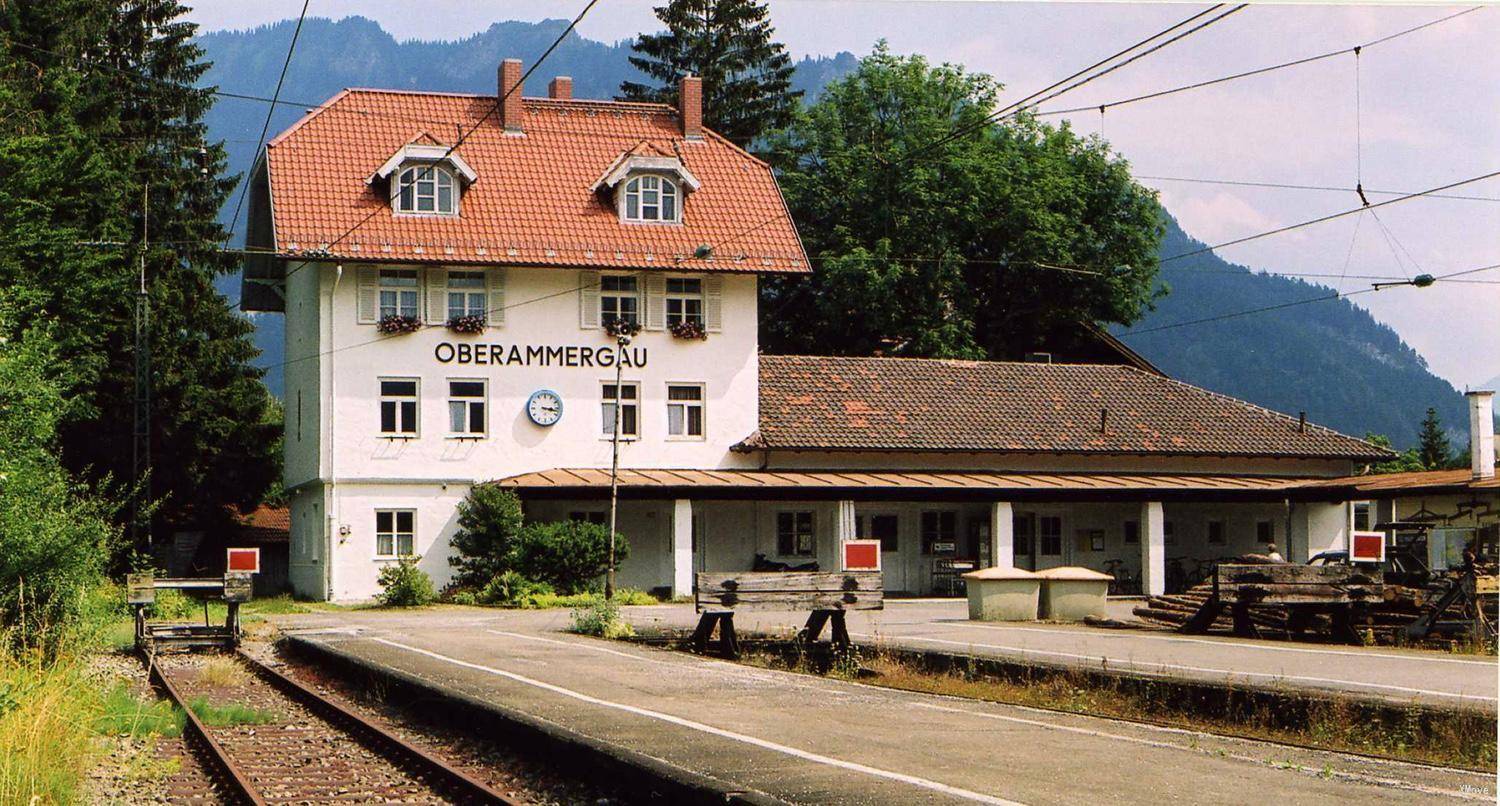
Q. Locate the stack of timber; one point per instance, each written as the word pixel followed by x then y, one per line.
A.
pixel 1174 610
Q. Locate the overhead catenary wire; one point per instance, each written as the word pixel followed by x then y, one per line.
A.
pixel 1330 217
pixel 1292 186
pixel 1255 72
pixel 270 111
pixel 1294 303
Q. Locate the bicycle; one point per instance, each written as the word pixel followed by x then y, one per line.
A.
pixel 1176 576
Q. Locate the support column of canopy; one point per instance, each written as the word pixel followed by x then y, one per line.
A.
pixel 844 529
pixel 682 547
pixel 1153 549
pixel 1002 535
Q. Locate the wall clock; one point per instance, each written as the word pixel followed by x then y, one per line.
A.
pixel 544 407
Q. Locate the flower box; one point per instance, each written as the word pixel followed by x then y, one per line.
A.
pixel 467 324
pixel 621 327
pixel 396 323
pixel 688 329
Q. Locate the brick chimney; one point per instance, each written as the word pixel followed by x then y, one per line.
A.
pixel 1482 434
pixel 561 88
pixel 690 106
pixel 510 100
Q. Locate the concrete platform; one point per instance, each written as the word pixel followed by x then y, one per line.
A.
pixel 1393 675
pixel 795 738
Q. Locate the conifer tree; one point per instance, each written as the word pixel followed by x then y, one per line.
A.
pixel 118 113
pixel 1432 446
pixel 747 77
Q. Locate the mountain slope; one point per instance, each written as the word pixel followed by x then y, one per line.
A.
pixel 1329 359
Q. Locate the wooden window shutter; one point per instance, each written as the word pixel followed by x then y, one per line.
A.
pixel 588 300
pixel 713 304
pixel 495 309
pixel 437 296
pixel 369 295
pixel 656 302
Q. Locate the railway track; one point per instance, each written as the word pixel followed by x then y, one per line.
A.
pixel 306 748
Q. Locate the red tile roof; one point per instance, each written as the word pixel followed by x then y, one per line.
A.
pixel 266 524
pixel 1387 485
pixel 532 203
pixel 896 404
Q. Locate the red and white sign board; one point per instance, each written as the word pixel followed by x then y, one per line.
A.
pixel 1367 547
pixel 244 561
pixel 861 555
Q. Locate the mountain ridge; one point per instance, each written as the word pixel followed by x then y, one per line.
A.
pixel 1330 359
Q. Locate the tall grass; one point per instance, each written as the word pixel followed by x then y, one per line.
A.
pixel 46 732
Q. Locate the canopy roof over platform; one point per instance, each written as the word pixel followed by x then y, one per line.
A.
pixel 916 485
pixel 1390 485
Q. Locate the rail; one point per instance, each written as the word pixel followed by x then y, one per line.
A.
pixel 375 738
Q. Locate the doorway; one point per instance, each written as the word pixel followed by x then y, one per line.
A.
pixel 885 527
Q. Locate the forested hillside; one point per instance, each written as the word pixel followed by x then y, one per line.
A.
pixel 1329 359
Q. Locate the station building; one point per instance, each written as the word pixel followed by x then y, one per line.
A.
pixel 454 271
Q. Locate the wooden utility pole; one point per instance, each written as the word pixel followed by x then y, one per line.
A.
pixel 614 466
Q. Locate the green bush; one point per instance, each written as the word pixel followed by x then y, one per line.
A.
pixel 511 589
pixel 461 597
pixel 55 534
pixel 602 618
pixel 489 519
pixel 403 584
pixel 568 555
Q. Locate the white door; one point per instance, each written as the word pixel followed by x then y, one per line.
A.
pixel 885 527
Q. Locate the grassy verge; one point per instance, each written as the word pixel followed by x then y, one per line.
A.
pixel 45 732
pixel 1447 738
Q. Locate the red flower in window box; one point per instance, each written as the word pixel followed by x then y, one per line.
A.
pixel 467 324
pixel 396 323
pixel 618 327
pixel 688 329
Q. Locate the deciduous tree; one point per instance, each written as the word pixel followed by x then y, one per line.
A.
pixel 937 233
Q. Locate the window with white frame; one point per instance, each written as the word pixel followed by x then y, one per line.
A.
pixel 684 301
pixel 628 395
pixel 466 400
pixel 1363 516
pixel 467 295
pixel 685 410
pixel 651 198
pixel 619 298
pixel 398 292
pixel 395 532
pixel 398 407
pixel 794 534
pixel 426 190
pixel 1049 534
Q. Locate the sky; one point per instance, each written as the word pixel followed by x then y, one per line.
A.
pixel 1428 114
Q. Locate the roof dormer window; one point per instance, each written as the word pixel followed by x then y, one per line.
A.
pixel 651 198
pixel 426 190
pixel 424 179
pixel 648 188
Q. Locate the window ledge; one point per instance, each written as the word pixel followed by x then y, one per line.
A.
pixel 398 437
pixel 466 437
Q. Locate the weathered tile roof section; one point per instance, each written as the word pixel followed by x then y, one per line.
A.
pixel 532 204
pixel 896 404
pixel 1417 482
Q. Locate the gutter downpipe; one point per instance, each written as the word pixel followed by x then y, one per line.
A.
pixel 331 507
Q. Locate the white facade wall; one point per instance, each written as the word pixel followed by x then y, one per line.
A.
pixel 342 473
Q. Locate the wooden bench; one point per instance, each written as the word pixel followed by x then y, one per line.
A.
pixel 827 594
pixel 1303 590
